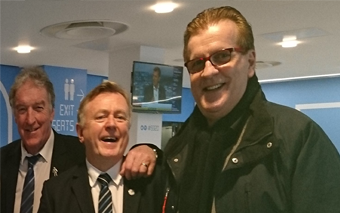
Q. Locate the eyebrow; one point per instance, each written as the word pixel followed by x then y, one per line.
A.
pixel 42 102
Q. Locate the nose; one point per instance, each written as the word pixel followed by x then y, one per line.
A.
pixel 30 116
pixel 111 122
pixel 209 69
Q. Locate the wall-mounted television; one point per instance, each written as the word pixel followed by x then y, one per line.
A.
pixel 156 88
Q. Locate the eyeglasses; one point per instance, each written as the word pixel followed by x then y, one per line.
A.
pixel 217 59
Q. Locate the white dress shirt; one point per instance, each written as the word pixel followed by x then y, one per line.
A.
pixel 116 186
pixel 41 173
pixel 155 93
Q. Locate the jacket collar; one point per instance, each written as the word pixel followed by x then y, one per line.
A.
pixel 259 129
pixel 258 139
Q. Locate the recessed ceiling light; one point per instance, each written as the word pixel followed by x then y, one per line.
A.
pixel 23 49
pixel 289 41
pixel 164 7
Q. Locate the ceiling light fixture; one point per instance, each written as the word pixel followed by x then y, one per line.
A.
pixel 23 49
pixel 84 29
pixel 164 7
pixel 87 30
pixel 289 41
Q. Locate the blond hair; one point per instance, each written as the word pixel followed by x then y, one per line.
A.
pixel 105 87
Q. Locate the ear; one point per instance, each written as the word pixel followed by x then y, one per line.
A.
pixel 252 63
pixel 52 115
pixel 15 116
pixel 80 132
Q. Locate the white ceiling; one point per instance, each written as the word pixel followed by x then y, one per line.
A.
pixel 21 22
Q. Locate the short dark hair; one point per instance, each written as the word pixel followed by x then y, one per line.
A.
pixel 157 69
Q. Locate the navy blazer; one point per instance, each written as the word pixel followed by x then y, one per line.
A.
pixel 71 193
pixel 67 152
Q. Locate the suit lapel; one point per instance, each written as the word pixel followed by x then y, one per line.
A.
pixel 11 178
pixel 131 197
pixel 59 156
pixel 82 190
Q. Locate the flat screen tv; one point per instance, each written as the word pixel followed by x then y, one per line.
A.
pixel 156 88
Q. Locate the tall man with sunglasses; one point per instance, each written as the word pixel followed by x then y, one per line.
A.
pixel 237 152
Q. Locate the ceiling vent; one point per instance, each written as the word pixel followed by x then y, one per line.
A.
pixel 85 30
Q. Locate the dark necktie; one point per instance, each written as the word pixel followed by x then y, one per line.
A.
pixel 105 197
pixel 28 191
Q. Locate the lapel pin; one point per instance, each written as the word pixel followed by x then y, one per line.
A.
pixel 55 171
pixel 131 192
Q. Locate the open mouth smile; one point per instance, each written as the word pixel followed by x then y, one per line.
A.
pixel 217 86
pixel 109 139
pixel 31 130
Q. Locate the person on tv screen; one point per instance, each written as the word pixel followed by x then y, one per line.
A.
pixel 155 91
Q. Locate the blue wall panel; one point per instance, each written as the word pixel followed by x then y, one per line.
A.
pixel 319 98
pixel 8 130
pixel 93 81
pixel 70 88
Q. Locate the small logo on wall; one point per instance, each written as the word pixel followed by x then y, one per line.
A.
pixel 153 128
pixel 150 127
pixel 143 127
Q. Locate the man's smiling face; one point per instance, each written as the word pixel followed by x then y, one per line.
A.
pixel 105 130
pixel 33 114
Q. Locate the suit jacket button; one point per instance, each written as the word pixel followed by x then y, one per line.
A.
pixel 234 160
pixel 269 145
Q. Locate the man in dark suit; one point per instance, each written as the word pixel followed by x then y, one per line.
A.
pixel 103 127
pixel 67 152
pixel 32 100
pixel 154 91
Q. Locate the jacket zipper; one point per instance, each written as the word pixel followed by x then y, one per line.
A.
pixel 165 199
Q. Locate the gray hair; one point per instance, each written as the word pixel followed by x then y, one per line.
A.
pixel 38 76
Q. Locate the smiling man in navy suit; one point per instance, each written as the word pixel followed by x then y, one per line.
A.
pixel 103 127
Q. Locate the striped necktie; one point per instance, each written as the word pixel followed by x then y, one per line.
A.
pixel 105 197
pixel 28 191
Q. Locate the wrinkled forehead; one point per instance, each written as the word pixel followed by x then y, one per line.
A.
pixel 31 92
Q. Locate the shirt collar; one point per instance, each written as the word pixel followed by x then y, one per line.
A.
pixel 113 172
pixel 45 152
